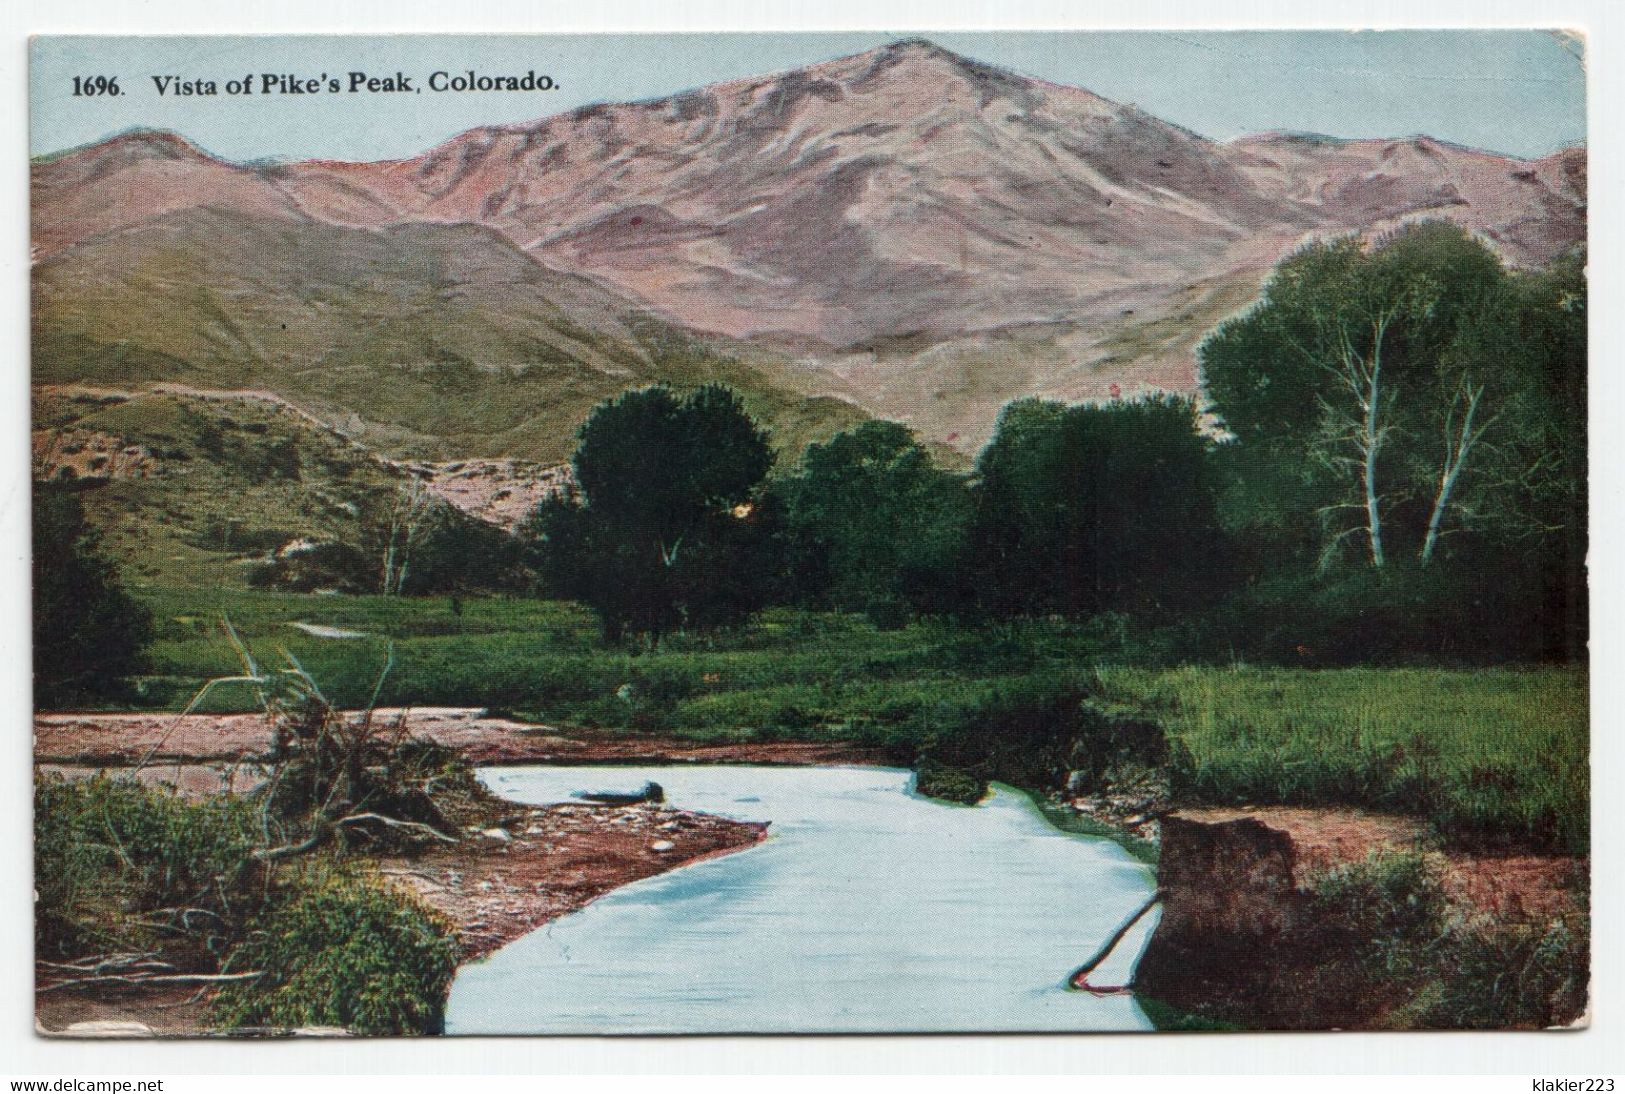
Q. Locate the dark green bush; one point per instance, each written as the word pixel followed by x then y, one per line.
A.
pixel 1384 911
pixel 123 868
pixel 1388 933
pixel 343 953
pixel 1517 976
pixel 1019 731
pixel 950 784
pixel 89 635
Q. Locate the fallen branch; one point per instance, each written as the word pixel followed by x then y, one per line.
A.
pixel 394 823
pixel 318 837
pixel 1079 980
pixel 108 961
pixel 324 831
pixel 139 980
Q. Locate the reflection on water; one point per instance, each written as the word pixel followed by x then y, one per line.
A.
pixel 867 909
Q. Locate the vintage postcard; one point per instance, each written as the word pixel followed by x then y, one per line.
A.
pixel 810 533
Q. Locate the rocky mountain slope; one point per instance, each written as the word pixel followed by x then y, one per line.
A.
pixel 907 229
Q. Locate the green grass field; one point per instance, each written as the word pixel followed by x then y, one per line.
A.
pixel 1483 752
pixel 1486 754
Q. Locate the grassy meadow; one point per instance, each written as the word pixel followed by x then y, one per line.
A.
pixel 1492 756
pixel 1485 754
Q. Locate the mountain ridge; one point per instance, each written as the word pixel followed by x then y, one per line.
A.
pixel 918 232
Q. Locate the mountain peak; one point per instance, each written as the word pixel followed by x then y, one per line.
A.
pixel 921 47
pixel 918 70
pixel 137 144
pixel 923 51
pixel 164 143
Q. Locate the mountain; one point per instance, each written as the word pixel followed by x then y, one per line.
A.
pixel 422 340
pixel 908 230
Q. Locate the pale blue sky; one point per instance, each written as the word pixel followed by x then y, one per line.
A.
pixel 1519 92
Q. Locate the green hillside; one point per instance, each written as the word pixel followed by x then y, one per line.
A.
pixel 212 488
pixel 428 341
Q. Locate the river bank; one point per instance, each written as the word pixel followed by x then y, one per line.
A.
pixel 514 869
pixel 517 868
pixel 491 888
pixel 222 741
pixel 1335 917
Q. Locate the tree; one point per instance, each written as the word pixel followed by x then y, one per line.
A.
pixel 1427 403
pixel 464 554
pixel 1085 509
pixel 876 526
pixel 662 515
pixel 1365 363
pixel 89 634
pixel 404 523
pixel 1022 520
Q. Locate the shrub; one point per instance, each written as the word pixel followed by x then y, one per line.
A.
pixel 1383 911
pixel 121 866
pixel 1520 976
pixel 1385 931
pixel 127 873
pixel 344 953
pixel 950 784
pixel 1020 731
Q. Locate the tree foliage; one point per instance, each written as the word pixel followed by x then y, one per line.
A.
pixel 873 525
pixel 1410 403
pixel 1090 509
pixel 1380 388
pixel 89 634
pixel 1392 462
pixel 658 535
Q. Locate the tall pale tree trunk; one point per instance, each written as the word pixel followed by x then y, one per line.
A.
pixel 1458 445
pixel 1361 375
pixel 1373 447
pixel 409 523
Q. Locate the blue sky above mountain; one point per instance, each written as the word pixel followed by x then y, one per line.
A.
pixel 1520 92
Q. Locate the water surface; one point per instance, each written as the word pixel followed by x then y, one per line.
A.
pixel 867 909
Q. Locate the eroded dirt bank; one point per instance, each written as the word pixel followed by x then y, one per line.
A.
pixel 536 864
pixel 1248 936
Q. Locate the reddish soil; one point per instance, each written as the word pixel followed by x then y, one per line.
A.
pixel 1522 888
pixel 189 780
pixel 1324 837
pixel 556 860
pixel 124 739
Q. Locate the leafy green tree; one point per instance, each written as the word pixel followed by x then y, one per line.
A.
pixel 1023 520
pixel 875 526
pixel 1373 372
pixel 658 534
pixel 89 634
pixel 463 554
pixel 1469 457
pixel 1089 509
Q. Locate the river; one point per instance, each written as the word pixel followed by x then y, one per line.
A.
pixel 867 909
